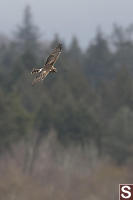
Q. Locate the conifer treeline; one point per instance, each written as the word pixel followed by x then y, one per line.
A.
pixel 89 100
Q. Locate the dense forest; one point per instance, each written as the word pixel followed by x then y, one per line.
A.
pixel 89 102
pixel 71 135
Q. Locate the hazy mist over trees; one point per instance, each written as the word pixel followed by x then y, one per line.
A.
pixel 88 104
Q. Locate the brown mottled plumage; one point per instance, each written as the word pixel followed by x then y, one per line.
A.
pixel 49 65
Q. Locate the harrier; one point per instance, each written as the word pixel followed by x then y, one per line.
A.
pixel 48 66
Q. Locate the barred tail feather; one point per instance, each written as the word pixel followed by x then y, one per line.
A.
pixel 41 76
pixel 35 71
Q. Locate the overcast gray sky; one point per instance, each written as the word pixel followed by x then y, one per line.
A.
pixel 68 17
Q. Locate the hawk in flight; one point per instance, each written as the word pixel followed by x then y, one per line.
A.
pixel 48 66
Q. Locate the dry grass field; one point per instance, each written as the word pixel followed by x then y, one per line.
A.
pixel 60 174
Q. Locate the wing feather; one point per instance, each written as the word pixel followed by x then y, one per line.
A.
pixel 54 55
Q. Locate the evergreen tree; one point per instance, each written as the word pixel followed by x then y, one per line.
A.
pixel 98 57
pixel 28 40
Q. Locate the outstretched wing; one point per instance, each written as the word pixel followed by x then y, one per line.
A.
pixel 54 56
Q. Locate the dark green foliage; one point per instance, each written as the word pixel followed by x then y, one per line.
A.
pixel 98 59
pixel 15 121
pixel 27 40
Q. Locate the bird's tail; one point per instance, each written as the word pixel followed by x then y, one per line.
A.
pixel 35 71
pixel 41 76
